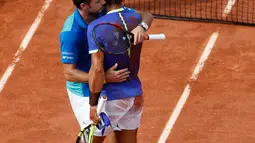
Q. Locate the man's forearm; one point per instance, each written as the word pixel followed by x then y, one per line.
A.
pixel 75 75
pixel 96 78
pixel 96 81
pixel 96 72
pixel 146 17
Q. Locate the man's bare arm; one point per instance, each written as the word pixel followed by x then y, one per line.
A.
pixel 96 72
pixel 146 17
pixel 111 75
pixel 96 81
pixel 75 75
pixel 139 31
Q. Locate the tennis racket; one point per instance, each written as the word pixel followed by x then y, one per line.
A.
pixel 87 133
pixel 121 39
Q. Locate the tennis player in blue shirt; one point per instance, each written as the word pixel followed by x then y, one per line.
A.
pixel 125 101
pixel 76 59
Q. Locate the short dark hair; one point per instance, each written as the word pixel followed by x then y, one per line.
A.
pixel 77 3
pixel 109 2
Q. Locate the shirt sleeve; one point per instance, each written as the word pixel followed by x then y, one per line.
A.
pixel 93 48
pixel 69 47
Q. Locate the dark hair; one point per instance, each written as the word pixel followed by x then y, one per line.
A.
pixel 109 2
pixel 77 3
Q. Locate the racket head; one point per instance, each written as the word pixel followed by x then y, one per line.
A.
pixel 112 38
pixel 83 136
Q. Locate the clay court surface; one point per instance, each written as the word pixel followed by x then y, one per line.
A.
pixel 34 106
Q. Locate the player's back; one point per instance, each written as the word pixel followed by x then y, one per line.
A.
pixel 131 87
pixel 131 19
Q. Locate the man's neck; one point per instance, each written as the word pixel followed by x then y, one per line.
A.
pixel 113 7
pixel 87 17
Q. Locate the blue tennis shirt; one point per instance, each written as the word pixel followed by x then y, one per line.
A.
pixel 131 87
pixel 74 50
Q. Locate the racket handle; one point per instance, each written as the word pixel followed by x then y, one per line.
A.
pixel 155 37
pixel 101 104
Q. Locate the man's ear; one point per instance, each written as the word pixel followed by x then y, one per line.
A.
pixel 84 6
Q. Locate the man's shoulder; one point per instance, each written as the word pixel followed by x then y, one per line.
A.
pixel 101 19
pixel 70 28
pixel 68 24
pixel 128 9
pixel 97 21
pixel 71 34
pixel 72 24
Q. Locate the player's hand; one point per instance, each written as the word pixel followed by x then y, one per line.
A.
pixel 139 34
pixel 93 115
pixel 116 76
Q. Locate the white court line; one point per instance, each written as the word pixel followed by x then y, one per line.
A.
pixel 187 89
pixel 24 44
pixel 228 7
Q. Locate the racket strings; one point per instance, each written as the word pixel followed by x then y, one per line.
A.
pixel 120 42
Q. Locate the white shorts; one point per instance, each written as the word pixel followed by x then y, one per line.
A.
pixel 124 114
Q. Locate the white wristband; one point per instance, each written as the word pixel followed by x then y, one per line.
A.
pixel 144 26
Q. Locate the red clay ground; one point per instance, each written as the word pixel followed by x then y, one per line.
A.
pixel 35 107
pixel 16 18
pixel 221 104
